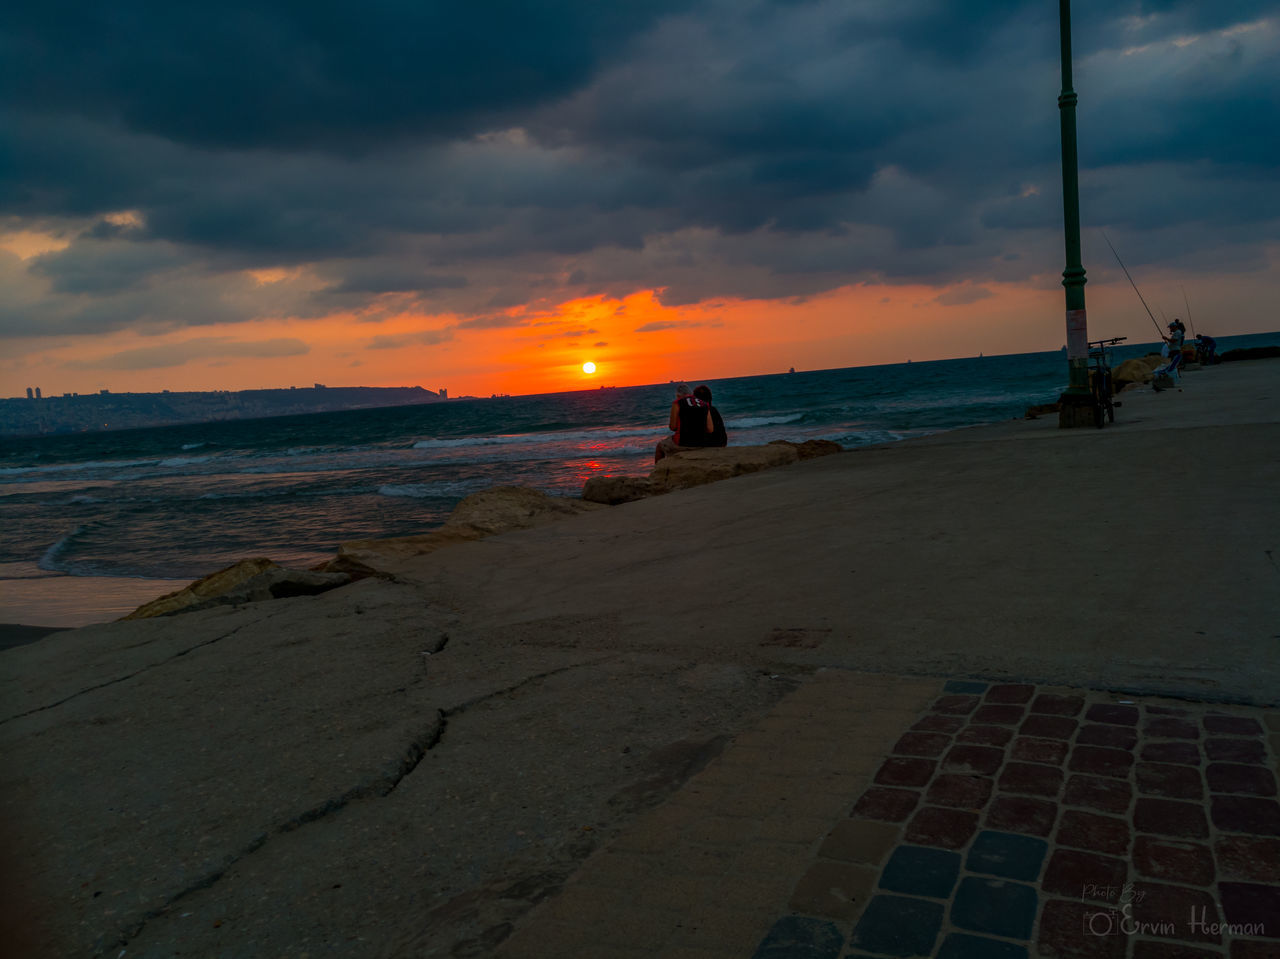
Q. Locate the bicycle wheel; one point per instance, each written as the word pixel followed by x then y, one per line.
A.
pixel 1110 400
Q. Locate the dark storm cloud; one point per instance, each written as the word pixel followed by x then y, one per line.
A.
pixel 466 159
pixel 291 74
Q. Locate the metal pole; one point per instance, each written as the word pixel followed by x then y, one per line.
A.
pixel 1073 276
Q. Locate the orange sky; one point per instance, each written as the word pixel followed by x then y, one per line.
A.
pixel 632 341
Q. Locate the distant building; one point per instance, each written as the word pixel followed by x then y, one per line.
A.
pixel 37 392
pixel 444 394
pixel 104 392
pixel 29 394
pixel 319 386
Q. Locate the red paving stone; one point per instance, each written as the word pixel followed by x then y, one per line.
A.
pixel 1048 727
pixel 1057 705
pixel 1233 725
pixel 1010 693
pixel 1171 728
pixel 1032 817
pixel 1168 817
pixel 985 735
pixel 973 760
pixel 1031 778
pixel 1259 817
pixel 1099 734
pixel 1172 860
pixel 1051 751
pixel 964 792
pixel 888 805
pixel 1175 912
pixel 955 705
pixel 1131 831
pixel 1235 778
pixel 1188 754
pixel 1248 857
pixel 1085 876
pixel 1169 781
pixel 1235 750
pixel 1108 795
pixel 905 772
pixel 922 744
pixel 938 826
pixel 937 723
pixel 1101 761
pixel 1070 929
pixel 1087 830
pixel 1253 905
pixel 1000 715
pixel 1108 713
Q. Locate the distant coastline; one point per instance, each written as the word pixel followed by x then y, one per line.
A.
pixel 100 412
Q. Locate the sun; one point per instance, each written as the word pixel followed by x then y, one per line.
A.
pixel 588 367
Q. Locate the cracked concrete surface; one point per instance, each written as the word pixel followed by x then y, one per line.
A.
pixel 402 768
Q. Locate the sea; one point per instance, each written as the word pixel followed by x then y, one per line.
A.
pixel 93 524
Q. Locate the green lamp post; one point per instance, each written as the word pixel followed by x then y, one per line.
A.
pixel 1076 401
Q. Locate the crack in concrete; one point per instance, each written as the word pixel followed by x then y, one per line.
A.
pixel 379 787
pixel 124 679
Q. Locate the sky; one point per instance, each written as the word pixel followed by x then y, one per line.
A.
pixel 484 197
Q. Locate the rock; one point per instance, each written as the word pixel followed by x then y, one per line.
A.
pixel 209 586
pixel 811 449
pixel 699 467
pixel 247 581
pixel 491 511
pixel 1041 409
pixel 612 490
pixel 1132 371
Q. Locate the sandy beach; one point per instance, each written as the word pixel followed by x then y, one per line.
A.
pixel 411 766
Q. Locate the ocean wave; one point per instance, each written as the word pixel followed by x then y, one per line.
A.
pixel 71 467
pixel 752 422
pixel 173 461
pixel 51 560
pixel 193 446
pixel 540 439
pixel 85 498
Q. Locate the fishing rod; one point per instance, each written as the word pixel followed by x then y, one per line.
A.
pixel 1188 303
pixel 1134 285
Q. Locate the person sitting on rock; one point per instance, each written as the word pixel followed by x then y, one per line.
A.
pixel 690 423
pixel 1206 349
pixel 718 436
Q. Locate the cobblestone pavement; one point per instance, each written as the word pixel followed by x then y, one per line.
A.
pixel 886 816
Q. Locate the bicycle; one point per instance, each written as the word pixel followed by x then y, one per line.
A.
pixel 1100 382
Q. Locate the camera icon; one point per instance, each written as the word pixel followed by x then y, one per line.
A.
pixel 1104 922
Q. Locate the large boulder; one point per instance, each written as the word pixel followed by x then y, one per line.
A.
pixel 1131 371
pixel 612 490
pixel 491 511
pixel 699 467
pixel 247 581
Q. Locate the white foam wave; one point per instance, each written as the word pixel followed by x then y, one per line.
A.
pixel 193 446
pixel 540 439
pixel 84 498
pixel 52 556
pixel 751 422
pixel 173 461
pixel 72 467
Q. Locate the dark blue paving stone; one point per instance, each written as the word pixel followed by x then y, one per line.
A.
pixel 1007 854
pixel 921 871
pixel 796 937
pixel 964 686
pixel 997 906
pixel 897 926
pixel 961 946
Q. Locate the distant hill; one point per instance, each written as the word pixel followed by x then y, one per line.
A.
pixel 92 412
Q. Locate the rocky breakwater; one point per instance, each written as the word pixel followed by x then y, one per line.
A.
pixel 701 466
pixel 487 513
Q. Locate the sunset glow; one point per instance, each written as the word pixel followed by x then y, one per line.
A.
pixel 622 202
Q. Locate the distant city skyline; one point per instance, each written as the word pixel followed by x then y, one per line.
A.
pixel 680 189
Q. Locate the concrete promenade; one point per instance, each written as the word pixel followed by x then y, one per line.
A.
pixel 874 815
pixel 1007 691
